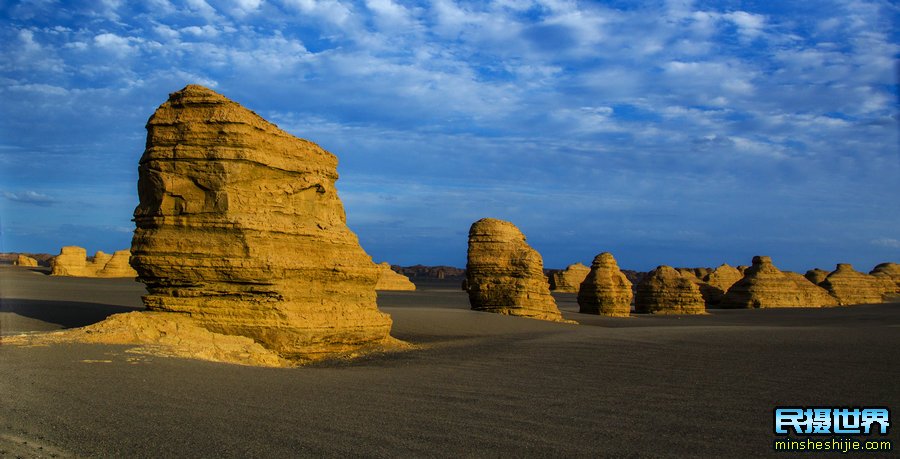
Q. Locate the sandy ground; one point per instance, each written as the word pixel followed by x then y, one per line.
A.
pixel 484 385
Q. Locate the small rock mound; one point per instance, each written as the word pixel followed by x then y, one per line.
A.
pixel 504 275
pixel 72 261
pixel 605 290
pixel 388 279
pixel 889 274
pixel 816 276
pixel 719 281
pixel 765 286
pixel 569 279
pixel 853 287
pixel 25 260
pixel 668 291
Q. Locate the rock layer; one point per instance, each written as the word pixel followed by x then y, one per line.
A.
pixel 718 282
pixel 853 287
pixel 668 291
pixel 765 286
pixel 240 227
pixel 25 260
pixel 569 279
pixel 388 279
pixel 505 275
pixel 605 290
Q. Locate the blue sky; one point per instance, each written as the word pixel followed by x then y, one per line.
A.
pixel 688 133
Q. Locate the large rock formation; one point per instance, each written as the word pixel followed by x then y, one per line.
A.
pixel 668 291
pixel 569 279
pixel 71 261
pixel 240 227
pixel 605 290
pixel 25 260
pixel 765 286
pixel 816 276
pixel 505 275
pixel 889 274
pixel 388 279
pixel 853 287
pixel 718 282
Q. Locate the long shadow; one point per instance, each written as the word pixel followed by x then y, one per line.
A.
pixel 68 314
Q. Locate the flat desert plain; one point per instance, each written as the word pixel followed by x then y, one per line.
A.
pixel 480 384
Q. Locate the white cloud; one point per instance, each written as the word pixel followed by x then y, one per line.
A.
pixel 888 242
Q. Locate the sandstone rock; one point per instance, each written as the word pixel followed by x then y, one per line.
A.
pixel 718 282
pixel 668 291
pixel 742 269
pixel 71 261
pixel 816 276
pixel 25 260
pixel 98 262
pixel 605 290
pixel 388 279
pixel 889 274
pixel 765 286
pixel 853 287
pixel 569 279
pixel 240 227
pixel 118 266
pixel 505 275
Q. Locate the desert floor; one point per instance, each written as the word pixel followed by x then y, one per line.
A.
pixel 483 384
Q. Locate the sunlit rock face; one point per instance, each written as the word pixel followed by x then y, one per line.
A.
pixel 240 227
pixel 505 275
pixel 388 279
pixel 72 262
pixel 718 281
pixel 850 286
pixel 25 260
pixel 668 291
pixel 605 290
pixel 569 279
pixel 889 275
pixel 765 286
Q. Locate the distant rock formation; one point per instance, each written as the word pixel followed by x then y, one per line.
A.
pixel 853 287
pixel 742 269
pixel 117 265
pixel 765 286
pixel 432 272
pixel 605 290
pixel 668 291
pixel 240 227
pixel 569 279
pixel 72 261
pixel 25 260
pixel 816 276
pixel 718 282
pixel 505 275
pixel 889 274
pixel 388 279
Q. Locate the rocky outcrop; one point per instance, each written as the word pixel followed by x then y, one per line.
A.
pixel 118 265
pixel 889 274
pixel 816 276
pixel 605 290
pixel 25 260
pixel 240 227
pixel 505 275
pixel 71 261
pixel 388 279
pixel 718 281
pixel 668 291
pixel 853 287
pixel 765 286
pixel 432 272
pixel 569 280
